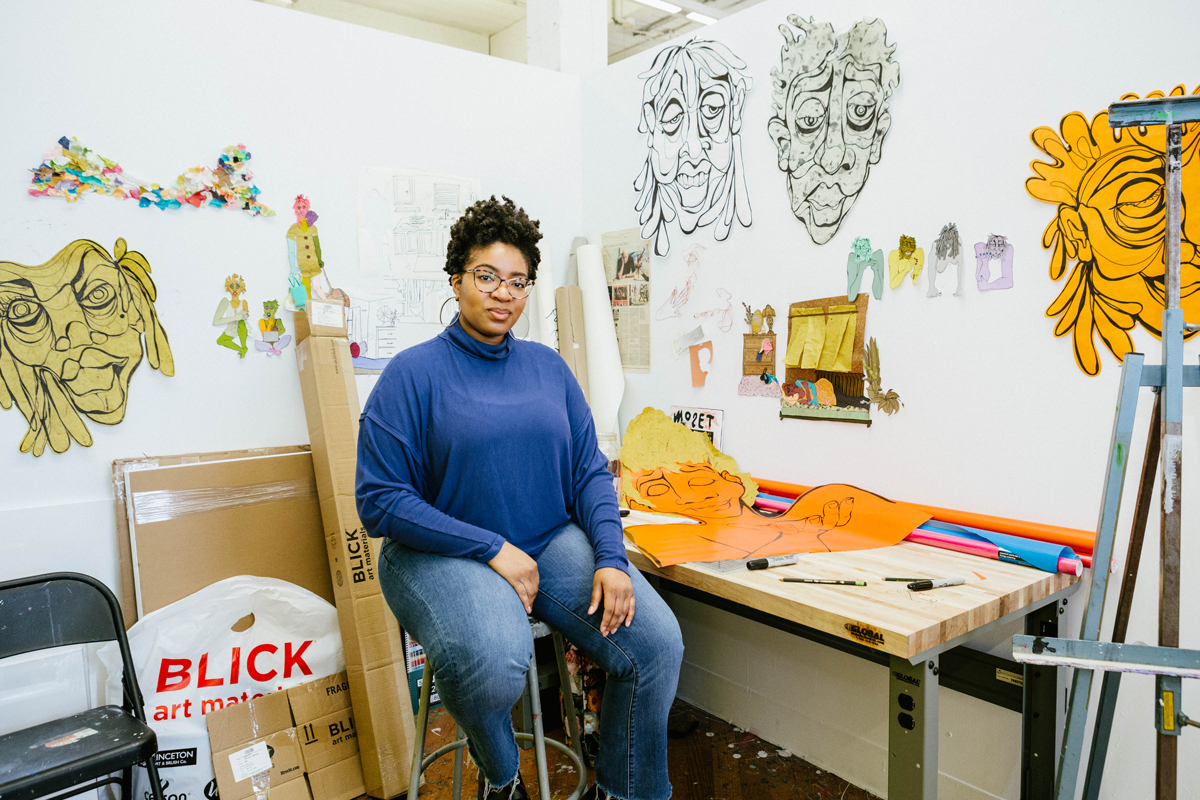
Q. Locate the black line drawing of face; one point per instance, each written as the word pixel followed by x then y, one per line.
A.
pixel 72 333
pixel 692 102
pixel 831 98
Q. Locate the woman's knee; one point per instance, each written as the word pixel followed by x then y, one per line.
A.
pixel 488 673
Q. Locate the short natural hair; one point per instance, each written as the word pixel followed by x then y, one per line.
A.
pixel 490 221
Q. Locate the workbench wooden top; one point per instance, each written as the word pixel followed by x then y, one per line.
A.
pixel 883 615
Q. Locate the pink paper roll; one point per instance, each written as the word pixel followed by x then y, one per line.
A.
pixel 1067 566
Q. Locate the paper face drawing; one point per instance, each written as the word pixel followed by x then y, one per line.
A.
pixel 1107 186
pixel 830 98
pixel 692 102
pixel 71 337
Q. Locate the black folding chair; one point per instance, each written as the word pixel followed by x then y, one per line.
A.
pixel 56 610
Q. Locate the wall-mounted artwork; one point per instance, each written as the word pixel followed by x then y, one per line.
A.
pixel 947 250
pixel 1107 185
pixel 692 101
pixel 72 333
pixel 830 99
pixel 995 250
pixel 904 259
pixel 233 312
pixel 862 258
pixel 823 365
pixel 70 170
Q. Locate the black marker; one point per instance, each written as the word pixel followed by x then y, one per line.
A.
pixel 822 581
pixel 772 561
pixel 921 586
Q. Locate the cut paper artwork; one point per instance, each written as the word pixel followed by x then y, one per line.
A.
pixel 997 249
pixel 664 470
pixel 947 250
pixel 70 170
pixel 681 295
pixel 72 332
pixel 888 402
pixel 271 330
pixel 824 361
pixel 1107 186
pixel 831 96
pixel 699 373
pixel 304 253
pixel 233 312
pixel 905 258
pixel 860 259
pixel 692 101
pixel 758 355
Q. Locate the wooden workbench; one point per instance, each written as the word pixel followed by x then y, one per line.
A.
pixel 912 628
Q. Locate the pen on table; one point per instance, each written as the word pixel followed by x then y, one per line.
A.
pixel 906 580
pixel 823 581
pixel 624 512
pixel 772 561
pixel 922 585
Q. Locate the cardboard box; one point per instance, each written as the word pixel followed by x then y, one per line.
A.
pixel 300 515
pixel 327 740
pixel 287 765
pixel 319 698
pixel 342 781
pixel 371 639
pixel 245 722
pixel 320 318
pixel 568 305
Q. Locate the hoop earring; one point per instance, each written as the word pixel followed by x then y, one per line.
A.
pixel 513 331
pixel 442 311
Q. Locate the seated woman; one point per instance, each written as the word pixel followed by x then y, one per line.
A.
pixel 478 461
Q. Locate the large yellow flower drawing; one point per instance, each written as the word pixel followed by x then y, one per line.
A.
pixel 1111 221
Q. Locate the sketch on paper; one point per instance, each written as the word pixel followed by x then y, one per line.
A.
pixel 692 101
pixel 996 248
pixel 374 317
pixel 905 258
pixel 947 250
pixel 680 295
pixel 232 312
pixel 722 314
pixel 861 257
pixel 72 333
pixel 830 97
pixel 1110 220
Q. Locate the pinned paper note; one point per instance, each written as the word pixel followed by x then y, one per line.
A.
pixel 996 250
pixel 249 761
pixel 232 312
pixel 905 258
pixel 947 250
pixel 860 259
pixel 699 373
pixel 70 170
pixel 682 341
pixel 74 331
pixel 707 421
pixel 271 330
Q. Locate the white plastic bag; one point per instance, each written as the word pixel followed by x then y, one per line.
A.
pixel 189 662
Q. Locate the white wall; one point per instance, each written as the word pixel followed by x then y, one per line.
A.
pixel 997 417
pixel 162 86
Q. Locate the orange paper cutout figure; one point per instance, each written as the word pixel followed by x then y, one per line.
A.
pixel 825 519
pixel 1111 220
pixel 699 374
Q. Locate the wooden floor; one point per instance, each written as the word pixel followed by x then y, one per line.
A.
pixel 708 760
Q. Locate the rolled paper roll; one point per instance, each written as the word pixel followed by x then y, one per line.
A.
pixel 606 379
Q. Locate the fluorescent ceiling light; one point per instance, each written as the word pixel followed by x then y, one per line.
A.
pixel 661 5
pixel 694 17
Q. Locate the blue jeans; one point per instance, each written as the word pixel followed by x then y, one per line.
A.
pixel 477 639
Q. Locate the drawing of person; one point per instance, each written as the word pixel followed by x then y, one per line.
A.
pixel 857 262
pixel 904 258
pixel 71 337
pixel 272 330
pixel 304 246
pixel 692 102
pixel 232 312
pixel 996 248
pixel 947 250
pixel 831 96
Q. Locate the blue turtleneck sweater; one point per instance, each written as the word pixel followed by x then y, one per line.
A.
pixel 465 445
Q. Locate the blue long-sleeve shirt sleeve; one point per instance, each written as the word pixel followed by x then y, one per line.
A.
pixel 463 446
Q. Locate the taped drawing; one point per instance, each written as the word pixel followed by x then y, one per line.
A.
pixel 907 257
pixel 860 259
pixel 947 250
pixel 692 101
pixel 996 248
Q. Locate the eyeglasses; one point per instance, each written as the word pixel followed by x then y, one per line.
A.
pixel 488 282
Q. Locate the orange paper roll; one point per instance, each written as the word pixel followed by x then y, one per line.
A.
pixel 1077 540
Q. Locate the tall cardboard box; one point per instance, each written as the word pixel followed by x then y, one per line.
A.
pixel 328 738
pixel 371 639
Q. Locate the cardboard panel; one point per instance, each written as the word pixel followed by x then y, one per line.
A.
pixel 244 722
pixel 319 698
pixel 342 781
pixel 195 524
pixel 287 765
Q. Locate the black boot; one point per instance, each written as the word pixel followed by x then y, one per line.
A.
pixel 513 791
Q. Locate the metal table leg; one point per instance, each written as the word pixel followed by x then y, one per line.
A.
pixel 913 729
pixel 1039 720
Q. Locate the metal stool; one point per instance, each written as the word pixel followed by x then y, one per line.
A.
pixel 422 762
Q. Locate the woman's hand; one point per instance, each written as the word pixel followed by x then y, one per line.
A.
pixel 516 567
pixel 614 587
